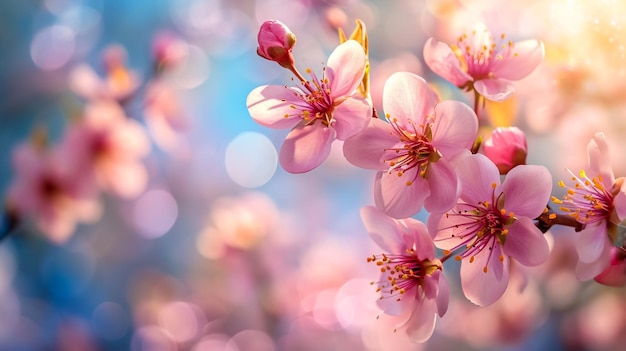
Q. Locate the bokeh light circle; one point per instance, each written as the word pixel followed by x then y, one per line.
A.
pixel 110 321
pixel 251 159
pixel 155 213
pixel 52 47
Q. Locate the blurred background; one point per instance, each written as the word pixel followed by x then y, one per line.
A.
pixel 213 246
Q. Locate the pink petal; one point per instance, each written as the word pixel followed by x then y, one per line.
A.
pixel 367 148
pixel 520 60
pixel 619 202
pixel 421 325
pixel 482 288
pixel 346 65
pixel 351 117
pixel 494 89
pixel 527 190
pixel 600 160
pixel 269 104
pixel 306 147
pixel 447 228
pixel 391 306
pixel 585 271
pixel 455 128
pixel 443 185
pixel 443 298
pixel 525 243
pixel 395 198
pixel 383 230
pixel 424 246
pixel 476 175
pixel 126 179
pixel 442 60
pixel 592 241
pixel 408 98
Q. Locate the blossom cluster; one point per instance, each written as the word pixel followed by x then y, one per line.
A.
pixel 485 206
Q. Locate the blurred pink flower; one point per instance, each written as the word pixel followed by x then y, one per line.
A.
pixel 46 190
pixel 478 62
pixel 412 152
pixel 327 109
pixel 600 204
pixel 106 147
pixel 276 42
pixel 492 223
pixel 412 283
pixel 506 147
pixel 168 50
pixel 118 82
pixel 615 273
pixel 166 117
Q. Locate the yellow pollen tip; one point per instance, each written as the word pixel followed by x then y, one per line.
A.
pixel 308 70
pixel 503 212
pixel 471 259
pixel 552 216
pixel 409 183
pixel 561 184
pixel 494 185
pixel 485 269
pixel 583 174
pixel 458 258
pixel 556 201
pixel 501 258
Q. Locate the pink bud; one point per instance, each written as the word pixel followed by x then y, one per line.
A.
pixel 615 273
pixel 276 42
pixel 506 147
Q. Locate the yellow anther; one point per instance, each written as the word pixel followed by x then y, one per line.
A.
pixel 485 269
pixel 552 216
pixel 494 185
pixel 471 260
pixel 409 183
pixel 501 258
pixel 561 184
pixel 556 201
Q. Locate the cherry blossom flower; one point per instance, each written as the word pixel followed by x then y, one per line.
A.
pixel 411 282
pixel 106 148
pixel 506 147
pixel 412 152
pixel 599 203
pixel 325 109
pixel 477 62
pixel 615 273
pixel 276 42
pixel 117 84
pixel 493 223
pixel 45 189
pixel 168 50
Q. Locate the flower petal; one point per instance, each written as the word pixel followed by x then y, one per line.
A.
pixel 367 148
pixel 525 243
pixel 494 89
pixel 619 202
pixel 476 175
pixel 527 190
pixel 600 160
pixel 346 65
pixel 455 128
pixel 269 104
pixel 443 298
pixel 448 229
pixel 393 306
pixel 442 60
pixel 588 270
pixel 519 60
pixel 408 98
pixel 484 288
pixel 395 197
pixel 443 185
pixel 306 147
pixel 421 325
pixel 383 229
pixel 592 241
pixel 351 117
pixel 424 246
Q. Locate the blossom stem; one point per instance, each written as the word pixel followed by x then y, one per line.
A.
pixel 477 104
pixel 549 218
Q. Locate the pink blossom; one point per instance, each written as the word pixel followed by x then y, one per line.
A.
pixel 506 147
pixel 493 223
pixel 117 84
pixel 599 203
pixel 106 148
pixel 412 284
pixel 166 117
pixel 413 151
pixel 276 42
pixel 478 62
pixel 46 190
pixel 323 110
pixel 168 50
pixel 615 273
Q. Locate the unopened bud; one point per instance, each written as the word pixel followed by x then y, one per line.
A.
pixel 507 148
pixel 275 43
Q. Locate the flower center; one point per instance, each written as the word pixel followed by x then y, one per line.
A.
pixel 480 227
pixel 318 104
pixel 478 55
pixel 415 150
pixel 400 273
pixel 588 201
